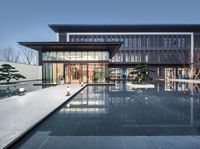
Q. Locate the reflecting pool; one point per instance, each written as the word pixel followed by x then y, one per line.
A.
pixel 118 117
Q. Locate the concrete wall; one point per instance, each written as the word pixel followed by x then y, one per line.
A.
pixel 31 72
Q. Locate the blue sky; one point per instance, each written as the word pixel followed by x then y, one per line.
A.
pixel 27 20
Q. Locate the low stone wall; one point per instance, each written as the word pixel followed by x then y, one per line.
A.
pixel 31 72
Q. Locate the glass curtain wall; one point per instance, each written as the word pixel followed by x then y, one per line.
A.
pixel 166 49
pixel 96 72
pixel 115 73
pixel 47 73
pixel 53 72
pixel 59 65
pixel 76 56
pixel 74 72
pixel 91 73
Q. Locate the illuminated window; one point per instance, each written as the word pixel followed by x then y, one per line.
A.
pixel 52 56
pixel 59 55
pixel 84 56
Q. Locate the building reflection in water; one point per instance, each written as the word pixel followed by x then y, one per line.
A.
pixel 160 86
pixel 152 110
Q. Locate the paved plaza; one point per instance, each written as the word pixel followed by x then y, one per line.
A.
pixel 18 114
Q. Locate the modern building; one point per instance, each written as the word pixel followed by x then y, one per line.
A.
pixel 96 53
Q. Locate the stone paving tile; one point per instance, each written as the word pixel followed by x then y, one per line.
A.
pixel 138 142
pixel 56 142
pixel 175 142
pixel 19 113
pixel 7 135
pixel 110 142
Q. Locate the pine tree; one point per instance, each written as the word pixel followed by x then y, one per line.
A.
pixel 8 72
pixel 142 72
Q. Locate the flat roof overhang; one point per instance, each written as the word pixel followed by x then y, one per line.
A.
pixel 111 47
pixel 58 28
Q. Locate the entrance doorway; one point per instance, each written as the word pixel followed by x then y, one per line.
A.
pixel 87 73
pixel 75 73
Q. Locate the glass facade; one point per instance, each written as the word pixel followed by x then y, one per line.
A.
pixel 170 51
pixel 75 72
pixel 64 65
pixel 137 41
pixel 165 49
pixel 75 56
pixel 115 73
pixel 153 49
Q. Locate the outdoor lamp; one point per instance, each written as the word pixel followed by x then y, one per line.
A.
pixel 62 81
pixel 82 84
pixel 21 90
pixel 68 91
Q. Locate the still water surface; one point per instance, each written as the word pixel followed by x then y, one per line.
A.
pixel 119 117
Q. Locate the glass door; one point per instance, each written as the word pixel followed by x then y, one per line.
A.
pixel 72 73
pixel 90 73
pixel 83 73
pixel 75 73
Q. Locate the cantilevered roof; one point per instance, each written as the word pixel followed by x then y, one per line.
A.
pixel 125 27
pixel 111 47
